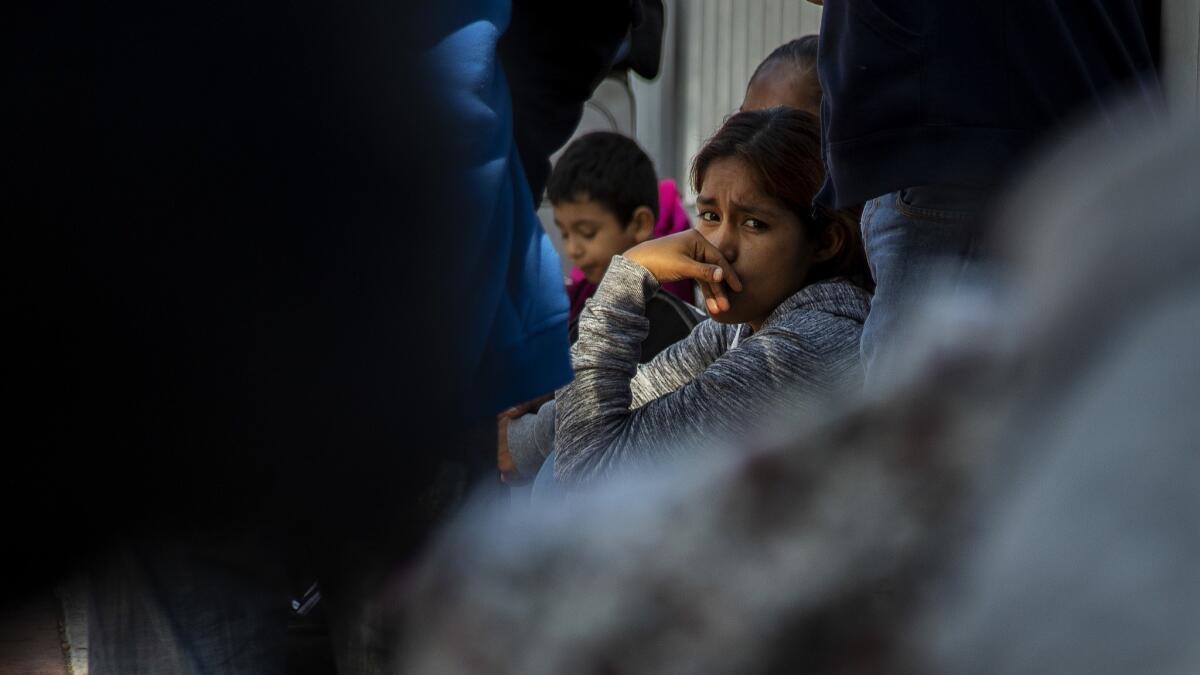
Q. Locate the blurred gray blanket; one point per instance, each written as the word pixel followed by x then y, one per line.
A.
pixel 1025 501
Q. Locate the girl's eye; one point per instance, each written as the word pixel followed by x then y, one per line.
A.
pixel 587 235
pixel 710 217
pixel 756 225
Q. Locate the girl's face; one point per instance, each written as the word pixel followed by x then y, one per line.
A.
pixel 761 238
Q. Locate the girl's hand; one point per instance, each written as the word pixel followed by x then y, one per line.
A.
pixel 688 255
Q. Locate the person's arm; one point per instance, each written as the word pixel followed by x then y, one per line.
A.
pixel 596 430
pixel 678 364
pixel 527 436
pixel 527 439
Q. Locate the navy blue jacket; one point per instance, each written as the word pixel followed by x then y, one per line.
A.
pixel 953 92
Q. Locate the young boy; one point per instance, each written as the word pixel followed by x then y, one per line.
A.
pixel 606 200
pixel 606 197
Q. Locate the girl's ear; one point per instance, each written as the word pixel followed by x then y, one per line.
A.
pixel 832 240
pixel 642 224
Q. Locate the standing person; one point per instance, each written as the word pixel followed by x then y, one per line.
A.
pixel 929 105
pixel 534 90
pixel 241 226
pixel 214 314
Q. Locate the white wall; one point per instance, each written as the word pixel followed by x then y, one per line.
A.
pixel 1181 54
pixel 710 49
pixel 655 100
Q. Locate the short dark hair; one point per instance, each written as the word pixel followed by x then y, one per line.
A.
pixel 801 52
pixel 783 147
pixel 796 57
pixel 608 168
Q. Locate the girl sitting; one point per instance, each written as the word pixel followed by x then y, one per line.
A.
pixel 787 288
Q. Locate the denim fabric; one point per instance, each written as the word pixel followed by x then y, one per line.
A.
pixel 219 605
pixel 546 487
pixel 188 608
pixel 916 239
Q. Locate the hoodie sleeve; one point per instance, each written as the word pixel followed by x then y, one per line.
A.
pixel 678 364
pixel 597 431
pixel 531 438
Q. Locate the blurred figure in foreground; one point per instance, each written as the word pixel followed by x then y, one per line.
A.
pixel 1024 503
pixel 269 263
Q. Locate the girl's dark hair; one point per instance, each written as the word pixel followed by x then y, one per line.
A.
pixel 802 52
pixel 783 147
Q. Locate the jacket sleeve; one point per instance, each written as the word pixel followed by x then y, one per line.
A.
pixel 678 364
pixel 531 439
pixel 598 431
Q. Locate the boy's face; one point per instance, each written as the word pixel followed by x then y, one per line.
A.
pixel 592 235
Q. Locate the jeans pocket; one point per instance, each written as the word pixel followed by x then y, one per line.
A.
pixel 940 203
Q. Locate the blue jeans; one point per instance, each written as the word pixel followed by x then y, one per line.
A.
pixel 219 605
pixel 194 606
pixel 916 239
pixel 545 486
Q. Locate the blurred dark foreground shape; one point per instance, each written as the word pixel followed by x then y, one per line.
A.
pixel 235 244
pixel 1025 502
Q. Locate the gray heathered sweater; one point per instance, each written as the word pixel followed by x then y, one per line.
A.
pixel 710 385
